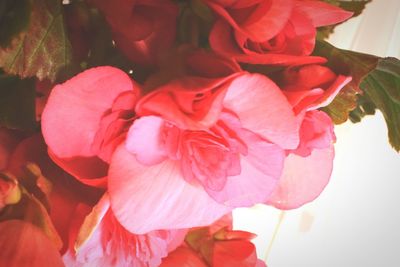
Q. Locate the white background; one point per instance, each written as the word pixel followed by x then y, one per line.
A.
pixel 356 220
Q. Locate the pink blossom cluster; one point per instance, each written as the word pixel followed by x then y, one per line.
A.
pixel 167 158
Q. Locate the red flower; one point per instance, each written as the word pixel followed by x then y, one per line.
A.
pixel 271 31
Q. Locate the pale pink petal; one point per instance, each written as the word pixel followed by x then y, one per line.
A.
pixel 260 172
pixel 303 179
pixel 263 109
pixel 147 198
pixel 23 244
pixel 74 109
pixel 145 139
pixel 321 13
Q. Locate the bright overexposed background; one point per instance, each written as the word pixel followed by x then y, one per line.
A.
pixel 356 220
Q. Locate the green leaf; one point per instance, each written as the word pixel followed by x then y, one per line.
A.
pixel 43 50
pixel 382 88
pixel 14 18
pixel 349 63
pixel 355 6
pixel 17 102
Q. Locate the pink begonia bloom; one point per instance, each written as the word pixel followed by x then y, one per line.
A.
pixel 23 244
pixel 271 31
pixel 224 136
pixel 85 119
pixel 101 241
pixel 308 168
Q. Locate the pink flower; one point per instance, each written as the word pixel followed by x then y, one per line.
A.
pixel 197 150
pixel 143 29
pixel 271 31
pixel 220 135
pixel 99 240
pixel 308 167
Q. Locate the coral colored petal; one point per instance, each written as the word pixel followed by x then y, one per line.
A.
pixel 144 140
pixel 223 42
pixel 234 253
pixel 303 179
pixel 189 103
pixel 147 198
pixel 23 244
pixel 183 257
pixel 71 117
pixel 321 13
pixel 263 109
pixel 274 16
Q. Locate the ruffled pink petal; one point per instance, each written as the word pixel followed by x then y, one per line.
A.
pixel 146 198
pixel 73 112
pixel 263 109
pixel 260 172
pixel 321 13
pixel 145 140
pixel 23 244
pixel 303 179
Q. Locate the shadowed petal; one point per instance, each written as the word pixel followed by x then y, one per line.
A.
pixel 22 244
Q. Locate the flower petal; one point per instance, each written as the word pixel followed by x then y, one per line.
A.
pixel 260 172
pixel 263 109
pixel 183 257
pixel 144 140
pixel 321 13
pixel 147 198
pixel 223 42
pixel 303 179
pixel 23 244
pixel 71 117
